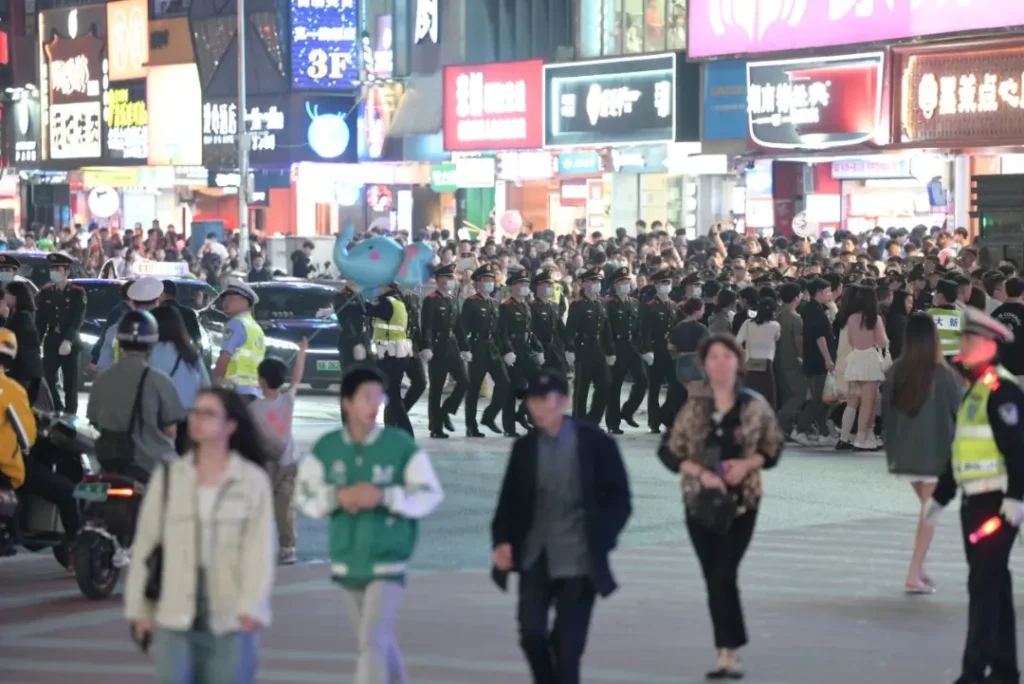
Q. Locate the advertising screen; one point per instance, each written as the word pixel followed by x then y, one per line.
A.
pixel 493 106
pixel 175 113
pixel 325 44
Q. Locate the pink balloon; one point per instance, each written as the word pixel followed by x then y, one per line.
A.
pixel 511 223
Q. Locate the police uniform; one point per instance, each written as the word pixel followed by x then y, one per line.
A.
pixel 390 327
pixel 547 324
pixel 515 332
pixel 414 366
pixel 145 290
pixel 988 466
pixel 590 342
pixel 244 341
pixel 949 319
pixel 657 318
pixel 479 323
pixel 624 318
pixel 443 343
pixel 60 312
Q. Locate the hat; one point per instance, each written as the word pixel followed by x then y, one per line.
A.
pixel 145 290
pixel 620 274
pixel 543 276
pixel 237 287
pixel 59 259
pixel 592 274
pixel 444 271
pixel 691 279
pixel 8 261
pixel 517 276
pixel 977 322
pixel 483 272
pixel 544 383
pixel 663 274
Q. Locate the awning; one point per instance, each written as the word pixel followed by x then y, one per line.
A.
pixel 419 110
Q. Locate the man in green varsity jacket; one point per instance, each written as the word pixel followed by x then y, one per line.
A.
pixel 374 484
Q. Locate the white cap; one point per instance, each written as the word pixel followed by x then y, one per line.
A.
pixel 145 290
pixel 236 286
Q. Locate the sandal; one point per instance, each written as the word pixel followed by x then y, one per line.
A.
pixel 920 588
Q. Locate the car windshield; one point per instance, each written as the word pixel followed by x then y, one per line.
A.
pixel 291 302
pixel 37 269
pixel 195 294
pixel 100 299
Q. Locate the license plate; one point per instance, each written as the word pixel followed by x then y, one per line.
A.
pixel 329 365
pixel 91 491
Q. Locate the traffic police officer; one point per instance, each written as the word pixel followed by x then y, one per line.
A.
pixel 9 266
pixel 624 318
pixel 479 323
pixel 444 349
pixel 657 318
pixel 243 346
pixel 589 334
pixel 988 465
pixel 948 317
pixel 414 366
pixel 547 321
pixel 143 295
pixel 60 312
pixel 524 354
pixel 394 352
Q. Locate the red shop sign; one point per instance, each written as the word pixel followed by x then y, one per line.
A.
pixel 494 106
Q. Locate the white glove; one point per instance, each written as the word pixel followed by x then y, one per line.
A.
pixel 1013 511
pixel 325 312
pixel 509 358
pixel 65 348
pixel 610 360
pixel 570 358
pixel 539 358
pixel 427 355
pixel 359 352
pixel 466 356
pixel 931 513
pixel 648 358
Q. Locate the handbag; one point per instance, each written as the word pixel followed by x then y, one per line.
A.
pixel 155 560
pixel 117 449
pixel 715 510
pixel 757 365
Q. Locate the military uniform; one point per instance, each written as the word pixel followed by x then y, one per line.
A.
pixel 988 465
pixel 60 312
pixel 479 323
pixel 515 330
pixel 350 310
pixel 589 340
pixel 445 340
pixel 624 319
pixel 657 318
pixel 548 326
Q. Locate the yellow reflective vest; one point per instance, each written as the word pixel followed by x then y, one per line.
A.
pixel 396 328
pixel 978 465
pixel 950 323
pixel 243 368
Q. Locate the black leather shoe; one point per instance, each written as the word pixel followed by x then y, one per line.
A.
pixel 438 435
pixel 473 432
pixel 448 423
pixel 630 422
pixel 654 431
pixel 491 425
pixel 522 421
pixel 512 434
pixel 615 431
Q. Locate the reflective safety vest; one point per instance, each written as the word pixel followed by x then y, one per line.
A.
pixel 556 289
pixel 243 368
pixel 394 329
pixel 978 465
pixel 950 323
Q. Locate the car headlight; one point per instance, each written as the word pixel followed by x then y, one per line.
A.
pixel 283 345
pixel 89 339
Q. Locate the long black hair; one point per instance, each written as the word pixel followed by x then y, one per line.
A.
pixel 766 309
pixel 171 327
pixel 24 299
pixel 245 439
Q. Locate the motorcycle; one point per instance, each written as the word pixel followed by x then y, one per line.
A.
pixel 29 521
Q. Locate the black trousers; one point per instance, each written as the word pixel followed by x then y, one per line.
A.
pixel 417 382
pixel 393 369
pixel 485 361
pixel 591 369
pixel 519 374
pixel 626 361
pixel 720 556
pixel 991 624
pixel 554 654
pixel 68 366
pixel 663 372
pixel 440 367
pixel 41 481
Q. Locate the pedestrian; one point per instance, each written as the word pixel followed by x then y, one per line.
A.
pixel 865 367
pixel 563 503
pixel 658 317
pixel 920 398
pixel 244 343
pixel 60 312
pixel 18 310
pixel 624 318
pixel 211 516
pixel 986 466
pixel 523 348
pixel 721 440
pixel 792 383
pixel 589 332
pixel 819 350
pixel 759 337
pixel 375 484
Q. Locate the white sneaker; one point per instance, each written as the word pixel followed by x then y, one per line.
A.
pixel 866 443
pixel 829 441
pixel 286 556
pixel 804 439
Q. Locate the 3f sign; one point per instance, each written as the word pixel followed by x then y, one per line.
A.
pixel 323 64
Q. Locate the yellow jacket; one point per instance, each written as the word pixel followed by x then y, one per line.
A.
pixel 17 429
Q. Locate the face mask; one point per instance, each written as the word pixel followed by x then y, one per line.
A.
pixel 664 289
pixel 6 276
pixel 623 288
pixel 595 288
pixel 546 292
pixel 451 285
pixel 698 292
pixel 488 288
pixel 56 276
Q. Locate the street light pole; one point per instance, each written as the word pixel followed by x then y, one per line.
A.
pixel 243 146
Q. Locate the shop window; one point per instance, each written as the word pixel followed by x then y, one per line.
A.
pixel 675 27
pixel 617 27
pixel 611 20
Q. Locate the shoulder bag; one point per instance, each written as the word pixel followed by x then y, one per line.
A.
pixel 155 560
pixel 714 508
pixel 115 448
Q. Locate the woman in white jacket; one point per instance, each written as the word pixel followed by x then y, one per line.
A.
pixel 214 521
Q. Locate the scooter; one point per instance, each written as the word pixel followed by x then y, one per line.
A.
pixel 29 521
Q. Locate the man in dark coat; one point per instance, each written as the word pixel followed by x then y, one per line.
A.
pixel 564 501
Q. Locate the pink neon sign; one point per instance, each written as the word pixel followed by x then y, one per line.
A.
pixel 733 27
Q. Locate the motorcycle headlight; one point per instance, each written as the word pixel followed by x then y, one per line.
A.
pixel 89 339
pixel 283 345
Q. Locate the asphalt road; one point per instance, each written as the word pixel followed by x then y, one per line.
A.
pixel 822 587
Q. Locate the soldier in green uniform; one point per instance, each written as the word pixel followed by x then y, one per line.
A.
pixel 60 312
pixel 589 347
pixel 479 323
pixel 547 322
pixel 444 349
pixel 624 318
pixel 353 328
pixel 657 318
pixel 515 329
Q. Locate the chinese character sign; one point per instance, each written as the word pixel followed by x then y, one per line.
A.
pixel 127 121
pixel 608 102
pixel 325 44
pixel 264 122
pixel 975 96
pixel 493 106
pixel 815 103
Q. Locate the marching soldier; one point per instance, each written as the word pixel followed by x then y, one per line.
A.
pixel 353 338
pixel 988 455
pixel 444 349
pixel 60 312
pixel 547 322
pixel 589 335
pixel 515 329
pixel 479 323
pixel 657 318
pixel 624 318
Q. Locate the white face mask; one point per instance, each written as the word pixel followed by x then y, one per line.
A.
pixel 595 288
pixel 664 289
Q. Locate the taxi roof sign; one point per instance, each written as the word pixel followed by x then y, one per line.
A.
pixel 165 269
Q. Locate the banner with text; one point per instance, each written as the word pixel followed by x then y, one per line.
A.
pixel 493 106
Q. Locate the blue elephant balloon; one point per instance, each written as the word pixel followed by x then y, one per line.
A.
pixel 380 261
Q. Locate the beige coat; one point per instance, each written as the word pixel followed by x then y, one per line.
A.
pixel 240 576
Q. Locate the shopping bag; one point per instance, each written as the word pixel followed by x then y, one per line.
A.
pixel 830 394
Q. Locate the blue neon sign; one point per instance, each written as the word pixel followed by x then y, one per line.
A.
pixel 325 44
